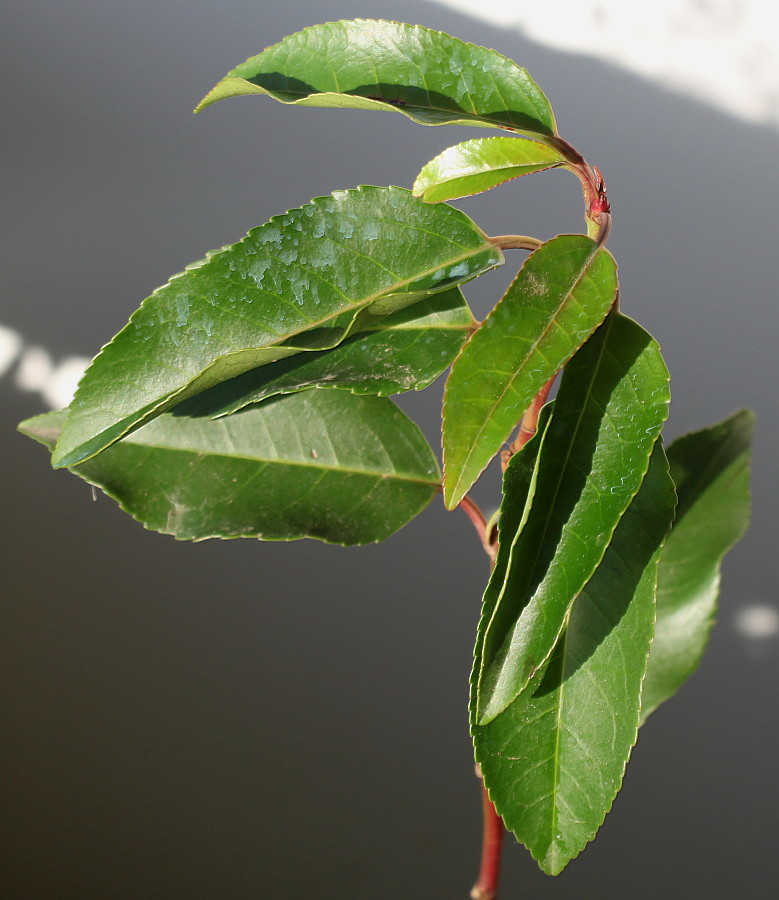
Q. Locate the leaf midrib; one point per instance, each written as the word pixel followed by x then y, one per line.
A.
pixel 499 399
pixel 260 460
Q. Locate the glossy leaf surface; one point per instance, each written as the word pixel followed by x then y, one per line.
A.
pixel 561 294
pixel 553 761
pixel 432 78
pixel 320 464
pixel 711 472
pixel 481 164
pixel 520 480
pixel 300 282
pixel 612 402
pixel 405 351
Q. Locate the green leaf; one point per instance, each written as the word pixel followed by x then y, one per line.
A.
pixel 432 78
pixel 553 761
pixel 612 402
pixel 520 480
pixel 481 164
pixel 319 464
pixel 711 471
pixel 405 351
pixel 300 282
pixel 561 294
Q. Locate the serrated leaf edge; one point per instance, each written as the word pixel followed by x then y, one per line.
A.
pixel 378 104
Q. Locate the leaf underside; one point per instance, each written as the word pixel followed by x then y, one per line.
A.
pixel 430 77
pixel 303 282
pixel 611 405
pixel 401 352
pixel 554 759
pixel 711 472
pixel 478 165
pixel 320 464
pixel 561 294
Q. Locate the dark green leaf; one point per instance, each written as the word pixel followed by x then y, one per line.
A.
pixel 553 761
pixel 481 164
pixel 561 294
pixel 609 410
pixel 320 464
pixel 711 471
pixel 428 76
pixel 405 351
pixel 520 480
pixel 300 282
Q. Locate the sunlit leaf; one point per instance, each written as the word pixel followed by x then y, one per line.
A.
pixel 303 281
pixel 553 760
pixel 561 294
pixel 608 412
pixel 320 464
pixel 711 472
pixel 432 78
pixel 481 164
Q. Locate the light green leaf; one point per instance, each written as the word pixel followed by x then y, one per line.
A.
pixel 612 402
pixel 432 78
pixel 481 164
pixel 561 294
pixel 303 281
pixel 319 464
pixel 711 471
pixel 405 351
pixel 553 761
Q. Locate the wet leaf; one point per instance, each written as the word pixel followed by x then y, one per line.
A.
pixel 302 282
pixel 430 77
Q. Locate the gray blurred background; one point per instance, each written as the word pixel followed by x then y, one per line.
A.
pixel 240 720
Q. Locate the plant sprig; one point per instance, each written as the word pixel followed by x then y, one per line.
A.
pixel 248 397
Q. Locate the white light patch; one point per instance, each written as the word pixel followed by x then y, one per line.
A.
pixel 36 371
pixel 720 51
pixel 758 622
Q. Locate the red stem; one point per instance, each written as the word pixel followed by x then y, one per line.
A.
pixel 597 208
pixel 529 423
pixel 486 887
pixel 479 522
pixel 475 515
